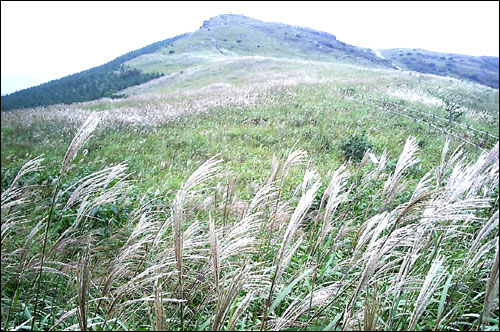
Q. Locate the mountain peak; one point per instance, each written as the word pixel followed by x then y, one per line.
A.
pixel 226 19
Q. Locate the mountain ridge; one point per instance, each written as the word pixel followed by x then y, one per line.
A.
pixel 233 35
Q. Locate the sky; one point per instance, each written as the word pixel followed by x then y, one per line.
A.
pixel 43 41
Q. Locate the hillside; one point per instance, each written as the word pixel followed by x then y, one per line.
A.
pixel 236 35
pixel 227 36
pixel 98 82
pixel 310 186
pixel 224 35
pixel 480 69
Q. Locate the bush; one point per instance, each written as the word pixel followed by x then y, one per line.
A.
pixel 355 146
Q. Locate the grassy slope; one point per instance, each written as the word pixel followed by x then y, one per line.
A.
pixel 235 35
pixel 483 69
pixel 294 100
pixel 249 109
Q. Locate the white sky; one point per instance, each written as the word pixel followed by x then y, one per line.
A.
pixel 41 41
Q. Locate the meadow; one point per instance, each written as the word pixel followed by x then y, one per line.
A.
pixel 255 193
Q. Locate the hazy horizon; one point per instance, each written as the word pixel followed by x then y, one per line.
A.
pixel 74 31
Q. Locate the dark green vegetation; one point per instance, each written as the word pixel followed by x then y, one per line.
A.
pixel 235 193
pixel 480 69
pixel 89 85
pixel 102 81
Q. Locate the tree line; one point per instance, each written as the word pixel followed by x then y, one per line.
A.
pixel 102 81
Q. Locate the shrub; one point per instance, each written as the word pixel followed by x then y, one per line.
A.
pixel 355 146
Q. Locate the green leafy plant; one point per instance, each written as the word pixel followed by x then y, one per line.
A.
pixel 355 146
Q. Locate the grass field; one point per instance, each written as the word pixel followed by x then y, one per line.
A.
pixel 237 194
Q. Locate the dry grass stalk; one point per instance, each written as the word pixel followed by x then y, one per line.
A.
pixel 224 303
pixel 285 254
pixel 215 253
pixel 83 281
pixel 483 233
pixel 239 311
pixel 160 321
pixel 491 292
pixel 369 317
pixel 431 282
pixel 337 184
pixel 299 306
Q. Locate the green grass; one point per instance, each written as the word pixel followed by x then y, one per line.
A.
pixel 246 137
pixel 246 111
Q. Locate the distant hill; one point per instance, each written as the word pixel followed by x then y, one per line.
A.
pixel 480 69
pixel 229 36
pixel 101 81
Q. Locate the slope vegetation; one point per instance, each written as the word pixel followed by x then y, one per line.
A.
pixel 252 192
pixel 480 69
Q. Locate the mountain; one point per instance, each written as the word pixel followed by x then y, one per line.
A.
pixel 480 69
pixel 230 36
pixel 303 179
pixel 236 35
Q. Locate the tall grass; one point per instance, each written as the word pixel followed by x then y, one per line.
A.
pixel 303 256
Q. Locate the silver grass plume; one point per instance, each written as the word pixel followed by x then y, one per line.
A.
pixel 483 233
pixel 337 184
pixel 285 254
pixel 381 164
pixel 299 306
pixel 205 172
pixel 298 216
pixel 92 196
pixel 467 180
pixel 239 311
pixel 80 138
pixel 15 195
pixel 431 282
pixel 406 160
pixel 228 297
pixel 445 165
pixel 241 239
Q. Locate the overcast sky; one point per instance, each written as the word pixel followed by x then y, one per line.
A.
pixel 42 41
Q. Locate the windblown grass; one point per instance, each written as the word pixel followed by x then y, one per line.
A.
pixel 297 256
pixel 141 228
